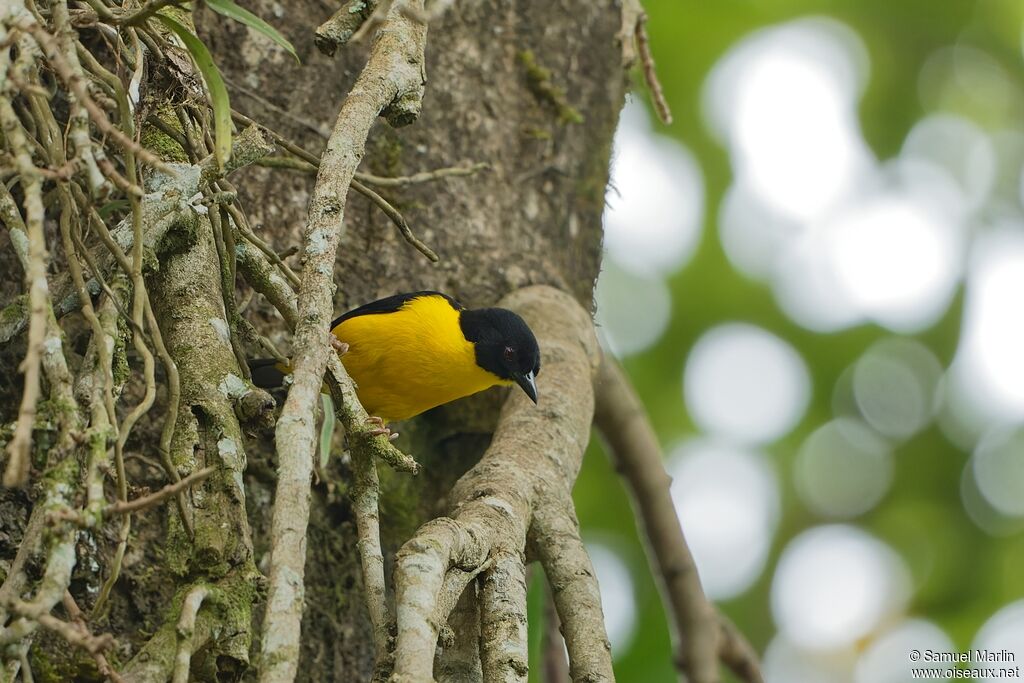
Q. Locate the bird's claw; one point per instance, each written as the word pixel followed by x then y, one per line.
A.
pixel 339 346
pixel 381 429
pixel 384 431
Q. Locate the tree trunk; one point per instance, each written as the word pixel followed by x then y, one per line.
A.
pixel 532 89
pixel 533 218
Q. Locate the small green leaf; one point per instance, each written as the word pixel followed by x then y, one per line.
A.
pixel 214 83
pixel 110 207
pixel 232 11
pixel 326 429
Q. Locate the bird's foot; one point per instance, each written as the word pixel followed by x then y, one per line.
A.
pixel 339 346
pixel 381 429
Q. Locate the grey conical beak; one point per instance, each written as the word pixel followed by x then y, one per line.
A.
pixel 528 384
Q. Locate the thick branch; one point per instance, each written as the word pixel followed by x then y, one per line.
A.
pixel 504 651
pixel 458 661
pixel 525 475
pixel 342 25
pixel 392 80
pixel 365 504
pixel 570 574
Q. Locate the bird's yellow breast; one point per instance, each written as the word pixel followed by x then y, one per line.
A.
pixel 410 360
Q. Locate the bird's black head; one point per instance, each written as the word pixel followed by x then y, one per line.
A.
pixel 505 346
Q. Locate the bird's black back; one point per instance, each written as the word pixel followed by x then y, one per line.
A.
pixel 390 304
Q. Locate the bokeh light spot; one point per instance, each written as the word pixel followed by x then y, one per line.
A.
pixel 897 258
pixel 753 235
pixel 618 601
pixel 843 469
pixel 794 134
pixel 807 287
pixel 784 100
pixel 887 660
pixel 834 584
pixel 1003 631
pixel 655 200
pixel 632 310
pixel 728 503
pixel 895 385
pixel 998 463
pixel 744 382
pixel 787 662
pixel 985 516
pixel 990 361
pixel 959 148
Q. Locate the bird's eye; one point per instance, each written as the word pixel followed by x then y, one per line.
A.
pixel 510 354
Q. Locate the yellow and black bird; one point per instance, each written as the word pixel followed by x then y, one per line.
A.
pixel 411 352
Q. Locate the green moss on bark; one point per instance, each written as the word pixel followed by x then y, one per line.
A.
pixel 160 142
pixel 539 79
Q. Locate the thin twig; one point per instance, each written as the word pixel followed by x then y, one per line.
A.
pixel 241 223
pixel 308 163
pixel 288 163
pixel 125 427
pixel 76 616
pixel 650 73
pixel 170 367
pixel 79 117
pixel 279 139
pixel 392 75
pixel 16 472
pixel 148 10
pixel 315 128
pixel 77 84
pixel 73 632
pixel 633 445
pixel 157 497
pixel 423 176
pixel 169 131
pixel 396 218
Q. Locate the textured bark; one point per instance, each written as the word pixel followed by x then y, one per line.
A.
pixel 534 219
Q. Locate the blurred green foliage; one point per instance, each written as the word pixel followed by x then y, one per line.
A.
pixel 961 574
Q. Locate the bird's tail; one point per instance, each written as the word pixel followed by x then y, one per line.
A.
pixel 268 373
